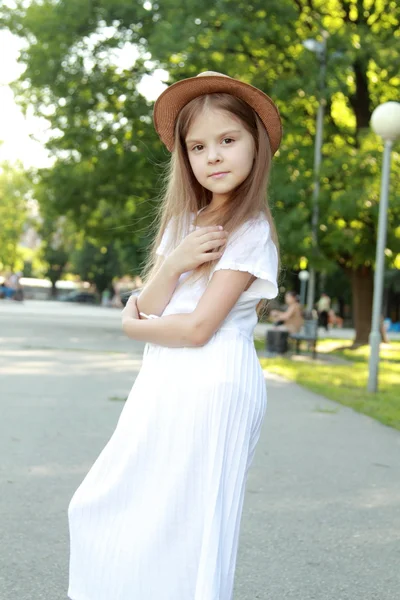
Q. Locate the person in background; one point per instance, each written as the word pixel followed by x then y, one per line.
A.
pixel 106 298
pixel 323 307
pixel 5 290
pixel 14 283
pixel 334 320
pixel 292 318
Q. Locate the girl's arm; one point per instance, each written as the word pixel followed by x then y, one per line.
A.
pixel 159 289
pixel 200 246
pixel 192 329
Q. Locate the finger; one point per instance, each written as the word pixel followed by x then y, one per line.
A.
pixel 213 238
pixel 213 245
pixel 214 235
pixel 212 256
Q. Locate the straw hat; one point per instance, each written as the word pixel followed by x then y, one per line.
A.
pixel 175 97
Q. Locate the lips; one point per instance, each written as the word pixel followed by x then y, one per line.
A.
pixel 219 174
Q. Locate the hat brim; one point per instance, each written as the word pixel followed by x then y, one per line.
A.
pixel 175 97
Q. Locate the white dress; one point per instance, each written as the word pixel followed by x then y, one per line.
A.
pixel 158 515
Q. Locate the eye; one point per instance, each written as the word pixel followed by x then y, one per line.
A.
pixel 197 148
pixel 227 141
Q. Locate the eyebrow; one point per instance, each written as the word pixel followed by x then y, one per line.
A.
pixel 220 135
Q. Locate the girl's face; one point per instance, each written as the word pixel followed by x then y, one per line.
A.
pixel 220 150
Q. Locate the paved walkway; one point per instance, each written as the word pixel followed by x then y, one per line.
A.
pixel 322 511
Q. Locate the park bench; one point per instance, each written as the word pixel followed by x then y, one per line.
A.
pixel 309 334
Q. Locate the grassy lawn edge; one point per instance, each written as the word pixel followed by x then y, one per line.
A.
pixel 346 385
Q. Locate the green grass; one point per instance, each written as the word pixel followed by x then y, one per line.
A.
pixel 341 349
pixel 259 344
pixel 346 384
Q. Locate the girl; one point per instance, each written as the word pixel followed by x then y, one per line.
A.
pixel 157 517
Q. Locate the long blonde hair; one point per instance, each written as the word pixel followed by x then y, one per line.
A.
pixel 184 196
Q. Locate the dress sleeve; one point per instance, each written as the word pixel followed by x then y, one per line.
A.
pixel 252 250
pixel 165 247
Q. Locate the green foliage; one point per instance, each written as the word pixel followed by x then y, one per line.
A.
pixel 100 265
pixel 106 173
pixel 14 193
pixel 58 239
pixel 105 150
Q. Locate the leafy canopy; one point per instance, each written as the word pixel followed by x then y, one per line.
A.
pixel 106 176
pixel 14 196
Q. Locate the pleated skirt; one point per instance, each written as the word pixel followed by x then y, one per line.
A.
pixel 158 515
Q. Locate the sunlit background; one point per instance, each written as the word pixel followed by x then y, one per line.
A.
pixel 22 137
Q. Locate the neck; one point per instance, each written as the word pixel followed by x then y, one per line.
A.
pixel 217 202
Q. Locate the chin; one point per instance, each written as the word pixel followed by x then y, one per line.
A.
pixel 220 189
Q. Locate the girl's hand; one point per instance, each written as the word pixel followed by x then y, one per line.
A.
pixel 200 246
pixel 131 310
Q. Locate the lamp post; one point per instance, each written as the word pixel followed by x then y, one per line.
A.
pixel 304 276
pixel 319 48
pixel 385 121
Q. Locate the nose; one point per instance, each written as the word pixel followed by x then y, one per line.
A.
pixel 213 155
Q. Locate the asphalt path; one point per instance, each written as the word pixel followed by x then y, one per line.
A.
pixel 322 511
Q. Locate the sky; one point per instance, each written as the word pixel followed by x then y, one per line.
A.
pixel 15 129
pixel 22 136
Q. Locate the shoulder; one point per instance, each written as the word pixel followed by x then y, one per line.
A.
pixel 254 230
pixel 172 233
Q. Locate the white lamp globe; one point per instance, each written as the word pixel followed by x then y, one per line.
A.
pixel 385 121
pixel 304 275
pixel 313 45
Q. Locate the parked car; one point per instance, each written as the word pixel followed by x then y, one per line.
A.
pixel 77 296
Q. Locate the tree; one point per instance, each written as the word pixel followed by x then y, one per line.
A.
pixel 14 192
pixel 104 148
pixel 58 240
pixel 100 265
pixel 103 123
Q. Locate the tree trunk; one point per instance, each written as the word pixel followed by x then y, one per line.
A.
pixel 362 284
pixel 53 292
